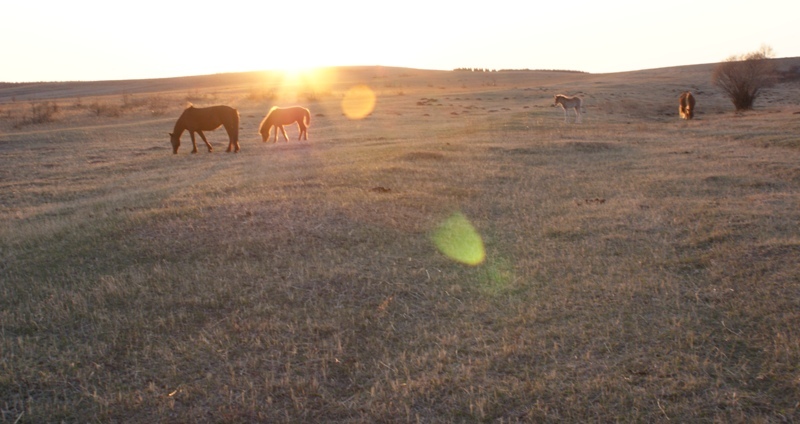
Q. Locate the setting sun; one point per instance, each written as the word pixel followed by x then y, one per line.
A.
pixel 296 83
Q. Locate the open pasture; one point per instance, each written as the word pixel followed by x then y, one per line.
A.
pixel 638 268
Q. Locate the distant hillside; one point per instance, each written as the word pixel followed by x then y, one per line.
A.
pixel 9 92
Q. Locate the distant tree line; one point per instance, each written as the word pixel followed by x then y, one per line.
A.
pixel 514 70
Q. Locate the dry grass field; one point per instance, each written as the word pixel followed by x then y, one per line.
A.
pixel 638 268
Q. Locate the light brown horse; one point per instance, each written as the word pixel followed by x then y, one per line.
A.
pixel 199 119
pixel 569 102
pixel 686 108
pixel 280 116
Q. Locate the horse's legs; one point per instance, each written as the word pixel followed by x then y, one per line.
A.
pixel 232 145
pixel 283 131
pixel 233 140
pixel 194 143
pixel 578 114
pixel 203 136
pixel 274 139
pixel 303 130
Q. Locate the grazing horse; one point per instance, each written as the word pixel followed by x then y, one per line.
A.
pixel 280 116
pixel 686 108
pixel 566 103
pixel 199 119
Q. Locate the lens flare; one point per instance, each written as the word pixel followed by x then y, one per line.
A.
pixel 457 239
pixel 358 102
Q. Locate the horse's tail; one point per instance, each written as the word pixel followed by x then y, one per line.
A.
pixel 308 116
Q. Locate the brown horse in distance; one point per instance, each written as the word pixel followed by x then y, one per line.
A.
pixel 199 119
pixel 280 116
pixel 686 108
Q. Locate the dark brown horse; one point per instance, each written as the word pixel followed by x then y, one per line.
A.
pixel 199 119
pixel 280 116
pixel 686 108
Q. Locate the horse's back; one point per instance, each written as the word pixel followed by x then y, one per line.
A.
pixel 568 101
pixel 287 115
pixel 210 118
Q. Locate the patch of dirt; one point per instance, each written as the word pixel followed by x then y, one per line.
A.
pixel 414 156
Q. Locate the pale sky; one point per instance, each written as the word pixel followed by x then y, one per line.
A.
pixel 58 40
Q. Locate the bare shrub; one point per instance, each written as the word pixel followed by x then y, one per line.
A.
pixel 129 101
pixel 197 96
pixel 316 96
pixel 43 112
pixel 743 77
pixel 105 109
pixel 40 113
pixel 157 105
pixel 259 94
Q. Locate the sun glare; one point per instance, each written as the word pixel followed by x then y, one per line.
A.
pixel 297 83
pixel 299 74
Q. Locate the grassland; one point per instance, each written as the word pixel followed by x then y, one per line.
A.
pixel 639 268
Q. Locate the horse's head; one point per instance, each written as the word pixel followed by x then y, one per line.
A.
pixel 265 126
pixel 175 139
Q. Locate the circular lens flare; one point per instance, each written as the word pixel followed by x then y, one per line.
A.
pixel 457 239
pixel 358 102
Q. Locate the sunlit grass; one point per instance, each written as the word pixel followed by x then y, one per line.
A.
pixel 633 268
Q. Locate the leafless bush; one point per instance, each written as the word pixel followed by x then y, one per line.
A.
pixel 743 77
pixel 315 96
pixel 259 94
pixel 157 105
pixel 105 109
pixel 40 113
pixel 129 101
pixel 197 96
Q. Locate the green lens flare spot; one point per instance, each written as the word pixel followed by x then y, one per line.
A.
pixel 457 239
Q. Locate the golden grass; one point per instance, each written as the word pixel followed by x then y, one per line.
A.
pixel 638 267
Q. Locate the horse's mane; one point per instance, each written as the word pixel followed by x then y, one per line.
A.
pixel 269 114
pixel 266 118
